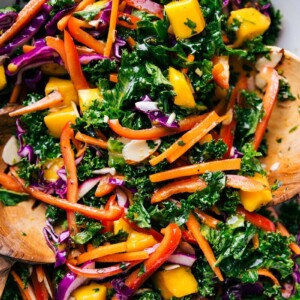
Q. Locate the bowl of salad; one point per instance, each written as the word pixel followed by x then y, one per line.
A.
pixel 144 128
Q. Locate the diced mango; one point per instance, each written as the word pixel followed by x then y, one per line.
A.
pixel 3 81
pixel 65 87
pixel 184 93
pixel 137 241
pixel 93 291
pixel 254 200
pixel 99 3
pixel 51 168
pixel 56 120
pixel 177 282
pixel 186 18
pixel 206 139
pixel 252 24
pixel 87 96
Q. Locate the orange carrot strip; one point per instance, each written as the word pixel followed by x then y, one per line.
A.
pixel 104 187
pixel 189 139
pixel 267 273
pixel 220 71
pixel 71 170
pixel 207 219
pixel 63 22
pixel 15 94
pixel 24 17
pixel 114 212
pixel 25 291
pixel 212 166
pixel 190 58
pixel 194 227
pixel 190 185
pixel 59 46
pixel 74 27
pixel 27 48
pixel 40 273
pixel 122 6
pixel 53 99
pixel 112 28
pixel 113 77
pixel 119 257
pixel 284 232
pixel 101 251
pixel 243 183
pixel 8 182
pixel 73 63
pixel 131 42
pixel 154 132
pixel 127 20
pixel 255 241
pixel 90 140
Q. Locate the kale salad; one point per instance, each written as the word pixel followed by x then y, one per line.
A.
pixel 140 124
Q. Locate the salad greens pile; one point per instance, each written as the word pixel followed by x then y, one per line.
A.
pixel 135 90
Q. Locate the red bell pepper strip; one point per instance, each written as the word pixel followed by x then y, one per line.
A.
pixel 69 162
pixel 190 185
pixel 109 225
pixel 167 246
pixel 74 27
pixel 243 183
pixel 73 63
pixel 154 132
pixel 103 272
pixel 227 131
pixel 58 45
pixel 148 6
pixel 127 20
pixel 39 287
pixel 257 219
pixel 114 212
pixel 269 99
pixel 187 236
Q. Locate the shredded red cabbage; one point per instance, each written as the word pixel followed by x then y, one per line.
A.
pixel 7 19
pixel 122 290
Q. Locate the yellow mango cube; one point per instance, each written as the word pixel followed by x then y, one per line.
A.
pixel 186 18
pixel 184 93
pixel 93 291
pixel 137 241
pixel 87 96
pixel 252 24
pixel 254 200
pixel 177 282
pixel 51 167
pixel 121 225
pixel 65 87
pixel 56 120
pixel 3 81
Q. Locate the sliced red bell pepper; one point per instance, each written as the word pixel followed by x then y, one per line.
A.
pixel 73 63
pixel 269 99
pixel 40 289
pixel 128 21
pixel 109 225
pixel 148 6
pixel 187 236
pixel 167 246
pixel 227 131
pixel 257 219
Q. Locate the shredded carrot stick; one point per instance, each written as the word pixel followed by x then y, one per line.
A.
pixel 104 187
pixel 255 241
pixel 128 256
pixel 63 22
pixel 59 46
pixel 113 77
pixel 73 63
pixel 131 42
pixel 189 139
pixel 284 232
pixel 40 273
pixel 267 273
pixel 90 140
pixel 74 27
pixel 8 182
pixel 122 6
pixel 25 291
pixel 207 219
pixel 114 212
pixel 212 166
pixel 81 150
pixel 71 170
pixel 243 183
pixel 24 17
pixel 112 28
pixel 15 93
pixel 27 48
pixel 52 100
pixel 190 58
pixel 194 227
pixel 127 20
pixel 101 251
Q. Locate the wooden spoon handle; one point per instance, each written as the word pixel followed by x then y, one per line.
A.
pixel 5 266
